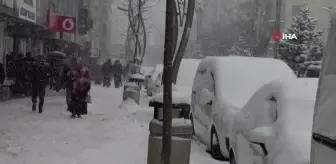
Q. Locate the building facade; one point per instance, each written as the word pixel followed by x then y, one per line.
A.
pixel 24 28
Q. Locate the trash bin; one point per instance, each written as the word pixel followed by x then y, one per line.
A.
pixel 181 110
pixel 131 90
pixel 181 141
pixel 137 78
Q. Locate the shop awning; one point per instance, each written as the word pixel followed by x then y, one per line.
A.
pixel 7 13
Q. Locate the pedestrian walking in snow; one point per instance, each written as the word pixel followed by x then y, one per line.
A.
pixel 27 68
pixel 117 73
pixel 40 73
pixel 81 88
pixel 2 74
pixel 68 77
pixel 107 69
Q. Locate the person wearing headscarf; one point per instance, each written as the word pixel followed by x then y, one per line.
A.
pixel 81 88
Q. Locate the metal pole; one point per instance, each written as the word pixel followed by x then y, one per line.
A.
pixel 167 83
pixel 277 26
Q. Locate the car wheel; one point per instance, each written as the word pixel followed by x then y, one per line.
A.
pixel 232 159
pixel 215 147
pixel 192 124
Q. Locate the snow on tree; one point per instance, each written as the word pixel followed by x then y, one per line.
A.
pixel 240 48
pixel 251 23
pixel 308 45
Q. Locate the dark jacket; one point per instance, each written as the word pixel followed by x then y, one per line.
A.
pixel 40 72
pixel 82 81
pixel 107 67
pixel 117 67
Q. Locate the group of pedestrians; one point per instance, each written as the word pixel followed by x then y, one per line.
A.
pixel 77 80
pixel 114 70
pixel 19 70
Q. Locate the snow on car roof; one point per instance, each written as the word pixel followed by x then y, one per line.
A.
pixel 238 78
pixel 146 70
pixel 187 71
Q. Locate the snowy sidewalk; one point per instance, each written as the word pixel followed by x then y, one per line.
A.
pixel 107 134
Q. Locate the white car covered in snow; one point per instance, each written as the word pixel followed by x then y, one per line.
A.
pixel 274 127
pixel 222 86
pixel 182 88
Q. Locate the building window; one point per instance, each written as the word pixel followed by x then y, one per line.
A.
pixel 29 2
pixel 296 9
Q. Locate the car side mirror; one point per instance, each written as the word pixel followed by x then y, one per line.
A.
pixel 259 135
pixel 206 97
pixel 258 138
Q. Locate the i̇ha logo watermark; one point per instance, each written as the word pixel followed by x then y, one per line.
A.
pixel 277 36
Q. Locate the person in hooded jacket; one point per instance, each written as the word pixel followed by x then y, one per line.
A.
pixel 81 88
pixel 39 76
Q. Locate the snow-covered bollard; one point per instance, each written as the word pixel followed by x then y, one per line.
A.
pixel 149 86
pixel 137 78
pixel 181 141
pixel 148 78
pixel 132 91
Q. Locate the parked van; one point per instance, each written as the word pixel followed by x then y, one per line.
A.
pixel 323 148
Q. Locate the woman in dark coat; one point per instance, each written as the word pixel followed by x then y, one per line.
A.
pixel 80 92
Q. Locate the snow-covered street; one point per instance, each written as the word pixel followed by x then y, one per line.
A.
pixel 108 134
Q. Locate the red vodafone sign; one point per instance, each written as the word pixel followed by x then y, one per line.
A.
pixel 66 24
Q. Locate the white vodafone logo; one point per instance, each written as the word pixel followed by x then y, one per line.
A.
pixel 68 24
